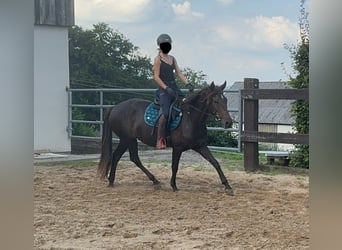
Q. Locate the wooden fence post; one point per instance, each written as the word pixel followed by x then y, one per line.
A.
pixel 250 116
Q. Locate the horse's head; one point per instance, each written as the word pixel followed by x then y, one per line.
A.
pixel 217 104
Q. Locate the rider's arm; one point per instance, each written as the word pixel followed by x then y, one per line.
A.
pixel 179 72
pixel 156 73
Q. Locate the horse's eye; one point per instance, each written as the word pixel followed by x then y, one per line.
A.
pixel 217 99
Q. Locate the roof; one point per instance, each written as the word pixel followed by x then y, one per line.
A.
pixel 57 13
pixel 270 111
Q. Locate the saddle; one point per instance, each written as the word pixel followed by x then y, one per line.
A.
pixel 151 115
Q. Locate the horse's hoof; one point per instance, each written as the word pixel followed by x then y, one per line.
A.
pixel 229 191
pixel 111 185
pixel 156 182
pixel 174 189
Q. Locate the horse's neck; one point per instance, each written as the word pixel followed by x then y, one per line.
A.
pixel 198 113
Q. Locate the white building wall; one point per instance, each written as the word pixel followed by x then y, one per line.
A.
pixel 285 129
pixel 51 77
pixel 275 128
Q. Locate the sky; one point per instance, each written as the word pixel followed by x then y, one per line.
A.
pixel 228 40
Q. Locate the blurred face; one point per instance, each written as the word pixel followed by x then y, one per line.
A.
pixel 165 47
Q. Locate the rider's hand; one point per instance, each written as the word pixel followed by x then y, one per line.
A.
pixel 171 92
pixel 190 87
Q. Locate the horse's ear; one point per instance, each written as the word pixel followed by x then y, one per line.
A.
pixel 212 85
pixel 223 86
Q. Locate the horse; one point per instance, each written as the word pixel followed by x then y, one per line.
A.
pixel 126 120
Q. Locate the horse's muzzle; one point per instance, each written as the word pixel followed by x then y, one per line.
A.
pixel 227 123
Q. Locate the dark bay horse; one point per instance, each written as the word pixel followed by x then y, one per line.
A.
pixel 126 120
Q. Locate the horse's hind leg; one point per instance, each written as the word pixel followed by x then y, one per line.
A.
pixel 134 157
pixel 117 154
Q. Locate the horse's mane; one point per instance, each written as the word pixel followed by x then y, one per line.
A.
pixel 202 95
pixel 197 96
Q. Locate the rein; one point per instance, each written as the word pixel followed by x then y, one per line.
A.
pixel 201 111
pixel 204 100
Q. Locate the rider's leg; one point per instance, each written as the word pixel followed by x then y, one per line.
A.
pixel 161 142
pixel 165 102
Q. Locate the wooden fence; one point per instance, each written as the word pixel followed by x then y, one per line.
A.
pixel 250 136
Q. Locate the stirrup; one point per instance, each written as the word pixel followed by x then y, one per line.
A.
pixel 161 143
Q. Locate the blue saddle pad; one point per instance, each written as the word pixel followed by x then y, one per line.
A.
pixel 152 113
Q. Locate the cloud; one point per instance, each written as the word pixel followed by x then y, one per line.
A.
pixel 225 2
pixel 274 31
pixel 111 10
pixel 183 11
pixel 259 32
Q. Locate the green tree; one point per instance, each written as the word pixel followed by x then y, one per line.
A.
pixel 103 58
pixel 300 108
pixel 197 78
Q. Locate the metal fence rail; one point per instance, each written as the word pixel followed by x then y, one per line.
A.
pixel 101 106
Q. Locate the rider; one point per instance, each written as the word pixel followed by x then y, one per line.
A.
pixel 163 72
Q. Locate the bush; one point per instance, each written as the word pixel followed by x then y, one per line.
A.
pixel 82 129
pixel 300 109
pixel 218 138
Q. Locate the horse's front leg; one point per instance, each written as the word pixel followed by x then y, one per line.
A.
pixel 204 151
pixel 176 154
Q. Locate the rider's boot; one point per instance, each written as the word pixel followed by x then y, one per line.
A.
pixel 161 142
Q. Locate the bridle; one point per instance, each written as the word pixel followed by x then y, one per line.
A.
pixel 205 100
pixel 201 111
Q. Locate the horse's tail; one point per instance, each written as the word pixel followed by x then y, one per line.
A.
pixel 106 147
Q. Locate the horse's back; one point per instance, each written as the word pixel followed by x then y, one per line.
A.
pixel 128 116
pixel 130 105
